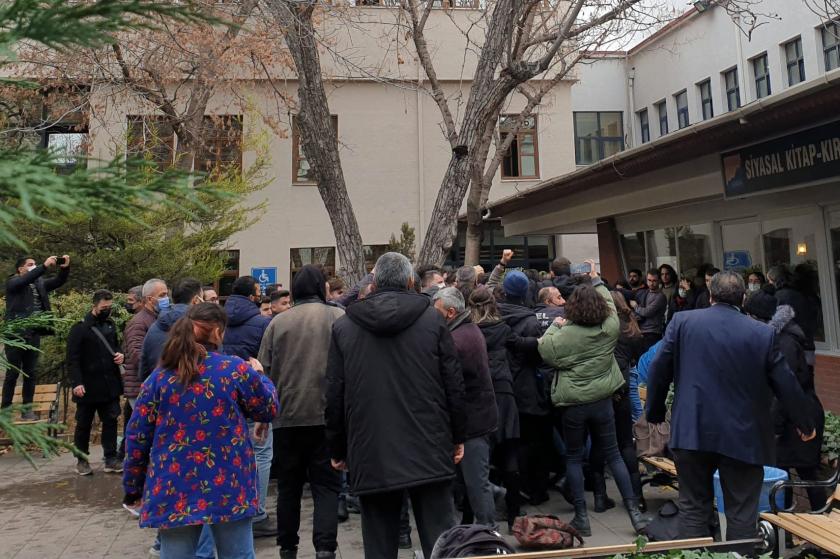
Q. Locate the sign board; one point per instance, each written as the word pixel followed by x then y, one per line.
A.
pixel 807 156
pixel 265 277
pixel 737 260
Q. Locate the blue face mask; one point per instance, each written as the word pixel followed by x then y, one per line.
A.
pixel 162 304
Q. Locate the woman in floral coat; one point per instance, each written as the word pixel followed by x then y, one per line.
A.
pixel 188 450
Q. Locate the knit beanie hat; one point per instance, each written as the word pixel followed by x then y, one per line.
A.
pixel 761 305
pixel 516 284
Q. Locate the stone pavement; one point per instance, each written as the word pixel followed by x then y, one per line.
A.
pixel 54 513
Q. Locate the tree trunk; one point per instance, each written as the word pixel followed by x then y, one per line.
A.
pixel 318 137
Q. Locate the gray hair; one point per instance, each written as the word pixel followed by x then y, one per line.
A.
pixel 452 299
pixel 149 286
pixel 728 287
pixel 392 270
pixel 137 291
pixel 466 276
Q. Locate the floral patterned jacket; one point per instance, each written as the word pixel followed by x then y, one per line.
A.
pixel 188 449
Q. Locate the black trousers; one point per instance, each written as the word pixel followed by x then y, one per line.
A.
pixel 109 413
pixel 20 360
pixel 741 485
pixel 433 513
pixel 649 339
pixel 536 442
pixel 305 457
pixel 626 444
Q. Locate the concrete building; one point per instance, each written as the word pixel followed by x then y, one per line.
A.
pixel 732 157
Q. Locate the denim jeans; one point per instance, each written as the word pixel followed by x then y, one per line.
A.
pixel 475 471
pixel 206 546
pixel 598 420
pixel 635 401
pixel 235 540
pixel 263 453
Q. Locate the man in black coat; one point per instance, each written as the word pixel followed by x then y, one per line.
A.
pixel 27 294
pixel 482 415
pixel 395 408
pixel 93 363
pixel 725 368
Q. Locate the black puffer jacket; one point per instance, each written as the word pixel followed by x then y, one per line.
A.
pixel 546 314
pixel 791 451
pixel 499 337
pixel 89 363
pixel 529 383
pixel 564 284
pixel 395 393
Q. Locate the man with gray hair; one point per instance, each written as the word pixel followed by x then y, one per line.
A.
pixel 480 401
pixel 151 293
pixel 726 368
pixel 466 280
pixel 395 408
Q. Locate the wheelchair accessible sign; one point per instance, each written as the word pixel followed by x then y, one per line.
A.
pixel 265 277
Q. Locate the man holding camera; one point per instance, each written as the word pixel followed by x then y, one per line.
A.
pixel 27 294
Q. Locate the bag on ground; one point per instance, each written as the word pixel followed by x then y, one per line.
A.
pixel 652 438
pixel 470 540
pixel 666 524
pixel 544 531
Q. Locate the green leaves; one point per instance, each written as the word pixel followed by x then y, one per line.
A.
pixel 831 437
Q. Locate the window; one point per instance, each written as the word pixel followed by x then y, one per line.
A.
pixel 794 61
pixel 522 158
pixel 644 125
pixel 533 251
pixel 662 110
pixel 733 92
pixel 302 173
pixel 149 137
pixel 834 232
pixel 831 45
pixel 222 139
pixel 762 76
pixel 224 285
pixel 706 104
pixel 597 136
pixel 372 254
pixel 320 256
pixel 682 109
pixel 67 149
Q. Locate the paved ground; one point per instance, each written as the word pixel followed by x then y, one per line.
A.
pixel 53 513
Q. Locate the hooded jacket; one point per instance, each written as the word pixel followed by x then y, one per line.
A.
pixel 480 400
pixel 791 451
pixel 528 382
pixel 156 338
pixel 90 363
pixel 245 327
pixel 564 284
pixel 395 393
pixel 294 351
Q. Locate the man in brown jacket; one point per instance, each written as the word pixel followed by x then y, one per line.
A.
pixel 294 354
pixel 135 331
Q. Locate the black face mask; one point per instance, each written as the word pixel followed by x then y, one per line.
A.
pixel 129 307
pixel 104 314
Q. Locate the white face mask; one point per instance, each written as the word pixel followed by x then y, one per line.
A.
pixel 30 267
pixel 753 287
pixel 683 292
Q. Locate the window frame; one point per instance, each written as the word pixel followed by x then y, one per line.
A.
pixel 831 28
pixel 601 141
pixel 706 99
pixel 298 155
pixel 734 89
pixel 234 255
pixel 519 133
pixel 762 78
pixel 662 113
pixel 798 62
pixel 682 111
pixel 644 125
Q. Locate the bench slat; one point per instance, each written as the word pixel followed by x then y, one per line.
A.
pixel 608 550
pixel 662 463
pixel 39 397
pixel 794 524
pixel 40 388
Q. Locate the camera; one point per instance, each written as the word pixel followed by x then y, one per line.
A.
pixel 61 261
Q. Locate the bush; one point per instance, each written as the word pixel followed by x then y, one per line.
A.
pixel 831 437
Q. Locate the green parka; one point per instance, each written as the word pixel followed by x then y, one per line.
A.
pixel 584 357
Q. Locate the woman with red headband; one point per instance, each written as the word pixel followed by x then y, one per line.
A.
pixel 188 450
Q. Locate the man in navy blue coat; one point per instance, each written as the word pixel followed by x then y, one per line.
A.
pixel 726 368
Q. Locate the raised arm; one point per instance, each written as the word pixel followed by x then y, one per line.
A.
pixel 498 273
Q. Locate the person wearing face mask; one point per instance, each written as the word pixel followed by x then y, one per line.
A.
pixel 93 364
pixel 27 293
pixel 196 405
pixel 134 300
pixel 187 292
pixel 755 281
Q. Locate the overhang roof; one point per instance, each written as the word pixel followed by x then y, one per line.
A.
pixel 797 107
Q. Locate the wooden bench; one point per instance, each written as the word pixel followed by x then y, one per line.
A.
pixel 820 528
pixel 44 405
pixel 705 544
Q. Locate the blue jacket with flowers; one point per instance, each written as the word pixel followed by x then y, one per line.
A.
pixel 188 449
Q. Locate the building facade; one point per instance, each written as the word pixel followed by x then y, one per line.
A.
pixel 732 158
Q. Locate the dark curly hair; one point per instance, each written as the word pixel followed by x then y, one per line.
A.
pixel 586 307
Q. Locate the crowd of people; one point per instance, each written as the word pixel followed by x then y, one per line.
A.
pixel 434 390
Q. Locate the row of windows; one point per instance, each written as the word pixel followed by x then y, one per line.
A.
pixel 795 69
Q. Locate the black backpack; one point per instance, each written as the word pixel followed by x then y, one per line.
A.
pixel 470 540
pixel 665 525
